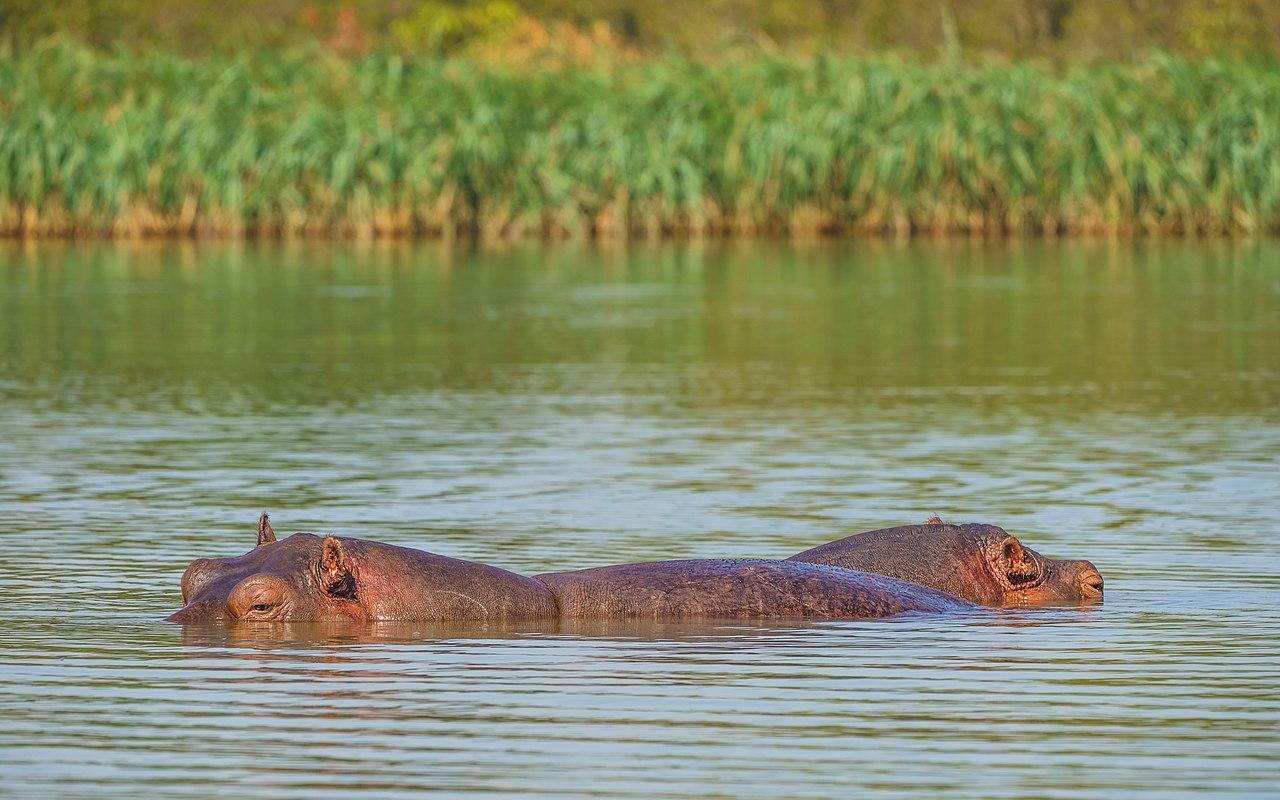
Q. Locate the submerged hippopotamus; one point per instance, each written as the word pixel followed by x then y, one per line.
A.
pixel 312 578
pixel 981 563
pixel 737 588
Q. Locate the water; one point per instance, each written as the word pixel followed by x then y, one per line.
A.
pixel 549 408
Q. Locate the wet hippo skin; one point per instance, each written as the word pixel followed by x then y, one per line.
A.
pixel 729 588
pixel 306 577
pixel 981 563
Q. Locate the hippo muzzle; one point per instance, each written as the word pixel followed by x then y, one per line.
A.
pixel 1089 579
pixel 200 611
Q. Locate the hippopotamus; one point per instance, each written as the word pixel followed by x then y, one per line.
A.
pixel 308 578
pixel 737 589
pixel 980 563
pixel 313 578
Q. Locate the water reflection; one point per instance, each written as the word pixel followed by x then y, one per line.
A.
pixel 274 327
pixel 271 636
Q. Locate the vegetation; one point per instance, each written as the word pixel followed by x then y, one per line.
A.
pixel 1071 30
pixel 616 117
pixel 311 143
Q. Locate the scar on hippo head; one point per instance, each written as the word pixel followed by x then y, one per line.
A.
pixel 981 563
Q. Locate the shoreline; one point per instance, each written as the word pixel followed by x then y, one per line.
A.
pixel 479 237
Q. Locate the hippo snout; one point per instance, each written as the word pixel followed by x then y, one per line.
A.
pixel 197 612
pixel 1089 580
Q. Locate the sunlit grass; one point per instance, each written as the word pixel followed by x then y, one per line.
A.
pixel 310 144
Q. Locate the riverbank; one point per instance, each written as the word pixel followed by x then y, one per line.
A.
pixel 307 143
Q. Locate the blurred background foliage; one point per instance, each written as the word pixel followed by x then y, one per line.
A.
pixel 585 30
pixel 617 117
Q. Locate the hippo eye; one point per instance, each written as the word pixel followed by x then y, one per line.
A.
pixel 259 597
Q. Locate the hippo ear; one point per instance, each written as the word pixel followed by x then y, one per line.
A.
pixel 335 574
pixel 265 534
pixel 1017 566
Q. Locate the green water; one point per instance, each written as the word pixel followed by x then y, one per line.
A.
pixel 547 408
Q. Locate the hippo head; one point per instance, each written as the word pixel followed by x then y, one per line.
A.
pixel 304 577
pixel 981 563
pixel 310 578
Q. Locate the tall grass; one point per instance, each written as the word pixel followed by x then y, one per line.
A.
pixel 311 144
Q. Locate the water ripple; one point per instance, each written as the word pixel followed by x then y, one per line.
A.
pixel 531 410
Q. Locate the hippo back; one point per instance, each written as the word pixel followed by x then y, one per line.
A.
pixel 737 589
pixel 946 557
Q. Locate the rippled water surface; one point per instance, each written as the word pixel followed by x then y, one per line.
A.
pixel 555 408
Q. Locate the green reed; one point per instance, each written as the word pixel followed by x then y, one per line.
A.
pixel 311 144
